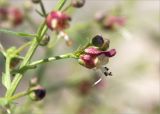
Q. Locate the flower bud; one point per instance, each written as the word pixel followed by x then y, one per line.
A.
pixel 38 93
pixel 111 21
pixel 78 3
pixel 15 16
pixel 98 41
pixel 99 17
pixel 28 5
pixel 57 20
pixel 45 40
pixel 3 13
pixel 36 1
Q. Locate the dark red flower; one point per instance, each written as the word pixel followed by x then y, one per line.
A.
pixel 57 20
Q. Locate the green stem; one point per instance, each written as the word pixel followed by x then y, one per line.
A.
pixel 35 42
pixel 19 95
pixel 21 48
pixel 70 55
pixel 27 58
pixel 50 59
pixel 7 71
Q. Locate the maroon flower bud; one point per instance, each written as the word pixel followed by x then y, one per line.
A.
pixel 33 82
pixel 57 20
pixel 111 21
pixel 78 3
pixel 38 93
pixel 15 16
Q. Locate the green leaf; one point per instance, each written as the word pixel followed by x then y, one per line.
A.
pixel 22 34
pixel 2 50
pixel 3 102
pixel 4 81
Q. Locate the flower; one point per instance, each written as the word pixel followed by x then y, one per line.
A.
pixel 57 20
pixel 112 21
pixel 10 16
pixel 97 57
pixel 15 16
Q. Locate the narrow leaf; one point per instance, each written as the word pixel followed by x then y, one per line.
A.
pixel 4 82
pixel 22 34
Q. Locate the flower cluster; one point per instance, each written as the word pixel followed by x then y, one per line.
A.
pixel 10 16
pixel 97 57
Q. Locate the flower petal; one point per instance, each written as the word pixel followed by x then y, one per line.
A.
pixel 93 51
pixel 110 53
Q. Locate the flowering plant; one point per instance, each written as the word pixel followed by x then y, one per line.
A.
pixel 93 55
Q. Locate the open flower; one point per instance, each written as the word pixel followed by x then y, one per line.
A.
pixel 97 56
pixel 94 57
pixel 57 20
pixel 15 16
pixel 112 21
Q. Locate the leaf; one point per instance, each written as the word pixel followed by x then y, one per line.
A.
pixel 4 82
pixel 2 50
pixel 3 102
pixel 22 34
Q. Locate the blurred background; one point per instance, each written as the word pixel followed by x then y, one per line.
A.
pixel 134 87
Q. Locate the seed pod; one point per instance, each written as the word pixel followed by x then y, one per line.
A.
pixel 45 40
pixel 38 93
pixel 78 3
pixel 98 41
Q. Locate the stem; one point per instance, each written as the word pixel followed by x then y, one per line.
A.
pixel 50 59
pixel 21 48
pixel 41 32
pixel 70 55
pixel 27 58
pixel 19 95
pixel 43 9
pixel 7 75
